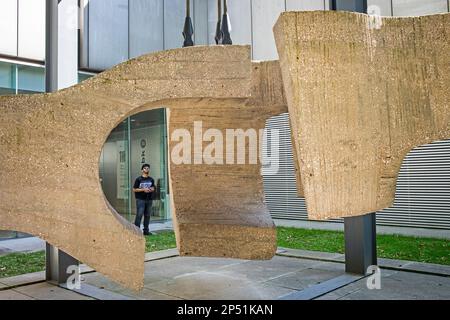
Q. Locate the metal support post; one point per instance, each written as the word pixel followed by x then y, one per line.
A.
pixel 360 243
pixel 57 261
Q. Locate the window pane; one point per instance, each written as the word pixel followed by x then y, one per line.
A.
pixel 7 78
pixel 32 29
pixel 108 33
pixel 84 76
pixel 31 79
pixel 8 30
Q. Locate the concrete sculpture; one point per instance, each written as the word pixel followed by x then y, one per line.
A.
pixel 359 99
pixel 362 92
pixel 50 146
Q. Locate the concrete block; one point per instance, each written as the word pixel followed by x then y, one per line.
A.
pixel 360 98
pixel 59 138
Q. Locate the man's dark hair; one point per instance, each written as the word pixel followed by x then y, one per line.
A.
pixel 145 165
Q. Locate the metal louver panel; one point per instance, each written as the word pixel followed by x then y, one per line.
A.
pixel 423 187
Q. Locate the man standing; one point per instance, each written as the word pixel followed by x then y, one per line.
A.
pixel 143 189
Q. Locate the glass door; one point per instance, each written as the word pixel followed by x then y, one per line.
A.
pixel 141 138
pixel 148 145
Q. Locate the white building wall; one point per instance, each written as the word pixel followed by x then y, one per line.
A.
pixel 418 7
pixel 384 7
pixel 305 5
pixel 116 30
pixel 8 27
pixel 67 43
pixel 264 15
pixel 31 29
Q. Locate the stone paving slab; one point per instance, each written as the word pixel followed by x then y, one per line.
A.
pixel 13 295
pixel 172 267
pixel 23 279
pixel 393 263
pixel 208 278
pixel 102 282
pixel 214 278
pixel 396 285
pixel 303 279
pixel 309 254
pixel 97 293
pixel 217 285
pixel 46 291
pixel 149 294
pixel 173 277
pixel 428 267
pixel 149 256
pixel 268 269
pixel 211 278
pixel 254 291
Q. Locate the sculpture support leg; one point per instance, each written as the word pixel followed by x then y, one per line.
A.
pixel 360 232
pixel 51 46
pixel 56 264
pixel 57 261
pixel 360 243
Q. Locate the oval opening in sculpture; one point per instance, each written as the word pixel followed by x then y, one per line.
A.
pixel 139 139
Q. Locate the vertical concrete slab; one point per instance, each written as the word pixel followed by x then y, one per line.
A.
pixel 359 104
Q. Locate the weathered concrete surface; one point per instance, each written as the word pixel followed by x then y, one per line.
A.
pixel 361 93
pixel 220 209
pixel 50 146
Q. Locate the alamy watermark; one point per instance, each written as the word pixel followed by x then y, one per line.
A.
pixel 375 20
pixel 227 147
pixel 374 280
pixel 74 280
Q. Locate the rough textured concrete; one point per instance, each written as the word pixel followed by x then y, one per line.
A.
pixel 50 146
pixel 359 97
pixel 362 92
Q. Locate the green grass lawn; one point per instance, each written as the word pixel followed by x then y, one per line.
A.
pixel 20 263
pixel 392 247
pixel 388 246
pixel 160 241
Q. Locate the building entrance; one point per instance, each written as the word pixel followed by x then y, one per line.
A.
pixel 139 139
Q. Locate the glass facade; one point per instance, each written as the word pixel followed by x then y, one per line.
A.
pixel 8 76
pixel 16 79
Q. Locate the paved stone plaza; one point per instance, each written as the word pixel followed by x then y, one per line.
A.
pixel 168 276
